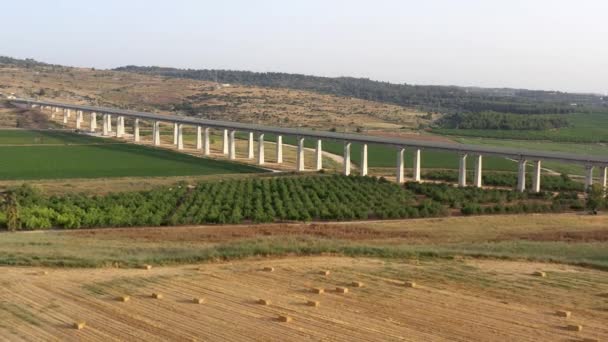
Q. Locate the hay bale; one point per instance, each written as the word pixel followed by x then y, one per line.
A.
pixel 318 290
pixel 411 284
pixel 198 300
pixel 268 269
pixel 157 296
pixel 539 274
pixel 264 301
pixel 147 267
pixel 341 289
pixel 563 313
pixel 574 327
pixel 324 272
pixel 79 325
pixel 314 303
pixel 356 284
pixel 285 318
pixel 123 299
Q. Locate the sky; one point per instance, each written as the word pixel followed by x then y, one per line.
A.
pixel 535 44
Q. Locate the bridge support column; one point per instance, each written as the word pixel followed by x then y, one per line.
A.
pixel 109 123
pixel 175 129
pixel 261 149
pixel 156 133
pixel 53 111
pixel 120 126
pixel 225 142
pixel 605 177
pixel 180 136
pixel 78 118
pixel 477 182
pixel 400 165
pixel 462 170
pixel 206 147
pixel 199 138
pixel 232 146
pixel 536 177
pixel 347 158
pixel 93 123
pixel 521 176
pixel 65 117
pixel 300 156
pixel 319 155
pixel 363 159
pixel 136 130
pixel 279 149
pixel 416 171
pixel 588 176
pixel 69 113
pixel 105 124
pixel 250 154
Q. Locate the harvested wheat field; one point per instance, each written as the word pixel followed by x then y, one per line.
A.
pixel 459 300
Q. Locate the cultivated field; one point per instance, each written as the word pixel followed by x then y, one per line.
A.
pixel 60 155
pixel 457 296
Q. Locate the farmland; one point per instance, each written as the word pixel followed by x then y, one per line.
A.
pixel 440 255
pixel 43 155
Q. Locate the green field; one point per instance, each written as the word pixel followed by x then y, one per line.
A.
pixel 90 157
pixel 584 128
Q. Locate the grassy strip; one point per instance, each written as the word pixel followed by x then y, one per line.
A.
pixel 68 252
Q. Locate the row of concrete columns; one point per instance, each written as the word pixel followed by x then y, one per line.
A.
pixel 229 149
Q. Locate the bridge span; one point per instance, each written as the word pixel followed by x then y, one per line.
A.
pixel 230 128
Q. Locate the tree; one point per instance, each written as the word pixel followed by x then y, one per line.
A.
pixel 13 221
pixel 595 198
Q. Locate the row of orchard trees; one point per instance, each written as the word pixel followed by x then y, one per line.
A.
pixel 233 201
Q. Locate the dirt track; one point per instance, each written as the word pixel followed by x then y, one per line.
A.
pixel 450 303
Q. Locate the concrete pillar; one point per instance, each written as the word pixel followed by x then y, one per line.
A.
pixel 225 142
pixel 180 137
pixel 536 177
pixel 462 170
pixel 477 182
pixel 300 155
pixel 65 116
pixel 136 130
pixel 400 165
pixel 93 123
pixel 232 146
pixel 69 113
pixel 120 121
pixel 109 123
pixel 105 125
pixel 250 154
pixel 78 118
pixel 605 177
pixel 279 149
pixel 319 155
pixel 261 149
pixel 175 134
pixel 416 171
pixel 53 111
pixel 156 133
pixel 347 158
pixel 588 176
pixel 521 176
pixel 199 138
pixel 364 160
pixel 206 147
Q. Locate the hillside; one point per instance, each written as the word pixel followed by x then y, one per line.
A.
pixel 444 99
pixel 245 103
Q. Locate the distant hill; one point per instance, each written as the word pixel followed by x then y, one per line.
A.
pixel 443 99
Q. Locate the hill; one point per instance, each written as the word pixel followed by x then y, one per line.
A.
pixel 444 99
pixel 206 99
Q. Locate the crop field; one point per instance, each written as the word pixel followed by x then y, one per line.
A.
pixel 44 155
pixel 584 128
pixel 461 267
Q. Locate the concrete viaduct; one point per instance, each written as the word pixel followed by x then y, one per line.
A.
pixel 230 128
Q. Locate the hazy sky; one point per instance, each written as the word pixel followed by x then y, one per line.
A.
pixel 537 44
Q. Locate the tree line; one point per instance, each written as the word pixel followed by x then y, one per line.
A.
pixel 502 121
